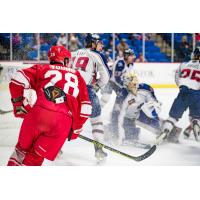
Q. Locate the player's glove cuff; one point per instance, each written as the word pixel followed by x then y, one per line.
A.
pixel 20 106
pixel 74 134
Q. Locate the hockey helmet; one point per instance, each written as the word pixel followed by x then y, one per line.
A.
pixel 196 53
pixel 92 38
pixel 131 82
pixel 59 54
pixel 128 52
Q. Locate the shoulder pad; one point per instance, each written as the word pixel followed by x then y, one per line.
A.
pixel 144 86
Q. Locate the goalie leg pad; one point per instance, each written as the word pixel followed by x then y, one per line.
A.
pixel 131 131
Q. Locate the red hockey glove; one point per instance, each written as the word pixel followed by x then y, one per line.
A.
pixel 20 107
pixel 74 134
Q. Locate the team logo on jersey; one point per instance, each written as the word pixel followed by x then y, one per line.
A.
pixel 55 93
pixel 131 101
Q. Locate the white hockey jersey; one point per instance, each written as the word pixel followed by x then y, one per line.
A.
pixel 92 65
pixel 188 74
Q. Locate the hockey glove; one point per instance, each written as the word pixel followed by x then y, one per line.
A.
pixel 150 108
pixel 96 88
pixel 20 107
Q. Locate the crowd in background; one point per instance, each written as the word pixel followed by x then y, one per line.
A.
pixel 25 45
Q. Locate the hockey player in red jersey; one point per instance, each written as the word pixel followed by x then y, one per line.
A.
pixel 61 109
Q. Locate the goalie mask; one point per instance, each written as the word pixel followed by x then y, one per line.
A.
pixel 131 82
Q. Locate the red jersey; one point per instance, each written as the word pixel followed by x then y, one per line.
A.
pixel 39 77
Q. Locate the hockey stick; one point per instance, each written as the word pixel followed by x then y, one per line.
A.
pixel 2 112
pixel 136 158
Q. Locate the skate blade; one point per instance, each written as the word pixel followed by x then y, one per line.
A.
pixel 101 161
pixel 196 132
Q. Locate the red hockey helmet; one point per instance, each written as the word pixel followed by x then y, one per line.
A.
pixel 58 54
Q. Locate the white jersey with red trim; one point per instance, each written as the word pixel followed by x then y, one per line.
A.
pixel 92 65
pixel 188 74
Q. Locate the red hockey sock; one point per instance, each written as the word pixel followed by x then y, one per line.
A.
pixel 32 159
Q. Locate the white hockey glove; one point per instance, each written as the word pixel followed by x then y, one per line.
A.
pixel 148 108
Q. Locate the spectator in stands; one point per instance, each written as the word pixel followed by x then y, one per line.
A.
pixel 185 50
pixel 107 55
pixel 62 40
pixel 16 42
pixel 137 36
pixel 73 42
pixel 49 38
pixel 140 58
pixel 43 55
pixel 100 46
pixel 122 45
pixel 120 55
pixel 197 38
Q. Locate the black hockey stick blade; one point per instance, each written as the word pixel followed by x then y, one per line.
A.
pixel 2 112
pixel 147 154
pixel 136 158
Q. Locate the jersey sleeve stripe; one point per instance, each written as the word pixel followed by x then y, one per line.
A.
pixel 86 102
pixel 86 109
pixel 17 83
pixel 21 79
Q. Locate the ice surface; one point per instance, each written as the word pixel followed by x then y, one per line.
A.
pixel 81 153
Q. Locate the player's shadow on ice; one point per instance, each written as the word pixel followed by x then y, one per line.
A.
pixel 73 159
pixel 191 154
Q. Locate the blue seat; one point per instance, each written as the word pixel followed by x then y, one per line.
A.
pixel 124 35
pixel 149 43
pixel 105 35
pixel 138 42
pixel 5 34
pixel 32 55
pixel 27 40
pixel 105 42
pixel 44 47
pixel 117 42
pixel 151 59
pixel 152 48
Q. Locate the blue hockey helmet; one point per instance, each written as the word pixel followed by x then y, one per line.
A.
pixel 92 38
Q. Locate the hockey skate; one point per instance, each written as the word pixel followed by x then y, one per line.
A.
pixel 99 153
pixel 59 155
pixel 196 130
pixel 174 135
pixel 187 132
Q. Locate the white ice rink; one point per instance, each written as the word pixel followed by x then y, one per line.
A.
pixel 81 153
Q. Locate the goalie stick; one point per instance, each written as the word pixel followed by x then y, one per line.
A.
pixel 136 158
pixel 2 112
